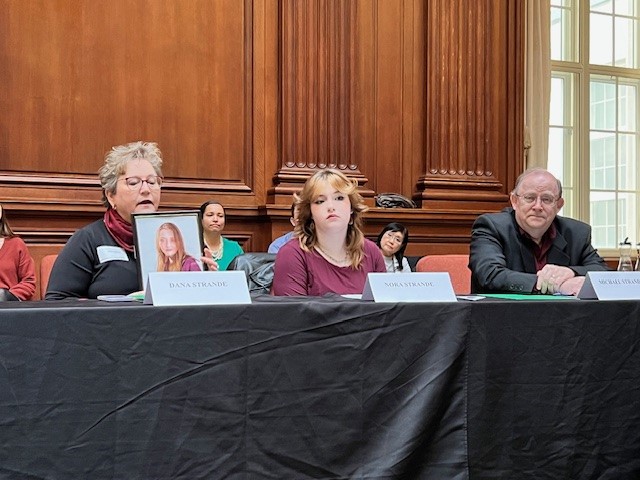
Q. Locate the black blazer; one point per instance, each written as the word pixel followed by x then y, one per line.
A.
pixel 501 262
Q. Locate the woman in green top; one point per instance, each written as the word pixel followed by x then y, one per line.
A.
pixel 222 249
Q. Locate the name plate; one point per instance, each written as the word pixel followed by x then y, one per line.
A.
pixel 611 286
pixel 197 288
pixel 409 287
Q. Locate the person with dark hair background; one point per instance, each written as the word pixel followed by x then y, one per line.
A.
pixel 17 270
pixel 392 242
pixel 222 250
pixel 281 240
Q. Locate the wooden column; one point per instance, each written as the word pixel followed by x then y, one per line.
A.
pixel 317 43
pixel 475 106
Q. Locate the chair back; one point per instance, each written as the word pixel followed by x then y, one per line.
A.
pixel 46 264
pixel 456 264
pixel 258 267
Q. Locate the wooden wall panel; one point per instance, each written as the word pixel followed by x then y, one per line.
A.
pixel 349 98
pixel 388 106
pixel 247 97
pixel 317 111
pixel 474 104
pixel 88 74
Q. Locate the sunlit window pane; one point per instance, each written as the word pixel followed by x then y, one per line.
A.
pixel 625 44
pixel 561 3
pixel 557 107
pixel 601 45
pixel 559 151
pixel 603 219
pixel 606 124
pixel 627 216
pixel 627 161
pixel 626 7
pixel 562 35
pixel 605 6
pixel 602 147
pixel 557 42
pixel 603 105
pixel 627 110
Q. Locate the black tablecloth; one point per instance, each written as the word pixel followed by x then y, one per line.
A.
pixel 320 388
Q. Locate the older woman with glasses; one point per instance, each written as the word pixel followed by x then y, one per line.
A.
pixel 392 242
pixel 99 259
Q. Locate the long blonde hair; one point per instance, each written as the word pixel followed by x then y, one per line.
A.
pixel 305 228
pixel 164 263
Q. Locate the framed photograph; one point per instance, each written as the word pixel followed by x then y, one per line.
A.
pixel 167 242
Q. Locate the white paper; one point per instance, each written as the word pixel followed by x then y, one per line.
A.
pixel 109 253
pixel 116 298
pixel 471 298
pixel 354 296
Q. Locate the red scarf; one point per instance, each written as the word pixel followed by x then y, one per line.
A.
pixel 119 228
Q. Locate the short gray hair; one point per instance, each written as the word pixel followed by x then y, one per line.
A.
pixel 529 171
pixel 115 163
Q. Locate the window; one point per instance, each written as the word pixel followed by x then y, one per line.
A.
pixel 595 114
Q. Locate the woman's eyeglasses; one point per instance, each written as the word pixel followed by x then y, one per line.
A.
pixel 394 236
pixel 154 182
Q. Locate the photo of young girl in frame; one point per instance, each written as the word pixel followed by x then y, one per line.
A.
pixel 167 242
pixel 172 256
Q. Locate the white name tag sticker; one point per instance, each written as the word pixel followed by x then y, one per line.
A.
pixel 197 288
pixel 109 253
pixel 409 287
pixel 611 286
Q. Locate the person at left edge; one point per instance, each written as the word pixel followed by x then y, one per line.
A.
pixel 17 270
pixel 98 259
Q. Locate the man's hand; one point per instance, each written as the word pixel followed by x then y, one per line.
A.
pixel 551 277
pixel 571 286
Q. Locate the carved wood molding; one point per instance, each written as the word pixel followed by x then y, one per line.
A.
pixel 474 99
pixel 317 44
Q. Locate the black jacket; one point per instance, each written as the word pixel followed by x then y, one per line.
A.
pixel 501 262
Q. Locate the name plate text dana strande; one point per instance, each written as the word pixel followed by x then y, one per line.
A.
pixel 197 288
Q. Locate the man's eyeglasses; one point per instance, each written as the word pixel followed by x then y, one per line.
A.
pixel 531 198
pixel 135 183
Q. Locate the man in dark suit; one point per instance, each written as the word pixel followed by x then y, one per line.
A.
pixel 528 248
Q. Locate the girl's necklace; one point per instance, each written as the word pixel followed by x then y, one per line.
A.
pixel 334 260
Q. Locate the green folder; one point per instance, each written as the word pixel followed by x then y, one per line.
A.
pixel 520 296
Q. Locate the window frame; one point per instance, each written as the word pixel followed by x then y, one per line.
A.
pixel 576 167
